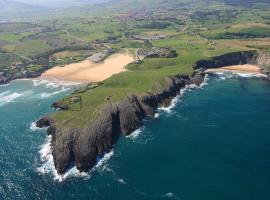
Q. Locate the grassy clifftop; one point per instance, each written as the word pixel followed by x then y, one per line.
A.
pixel 147 77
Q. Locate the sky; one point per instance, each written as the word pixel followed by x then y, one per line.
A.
pixel 58 3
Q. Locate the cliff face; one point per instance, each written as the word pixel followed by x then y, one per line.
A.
pixel 263 60
pixel 84 146
pixel 236 58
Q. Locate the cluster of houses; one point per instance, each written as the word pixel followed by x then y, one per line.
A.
pixel 157 36
pixel 156 14
pixel 156 52
pixel 99 57
pixel 135 15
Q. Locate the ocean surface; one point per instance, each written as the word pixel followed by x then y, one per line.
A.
pixel 212 143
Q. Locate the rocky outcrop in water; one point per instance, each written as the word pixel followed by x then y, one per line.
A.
pixel 83 146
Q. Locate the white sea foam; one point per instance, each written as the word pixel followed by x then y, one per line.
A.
pixel 122 181
pixel 171 106
pixel 45 95
pixel 8 97
pixel 48 164
pixel 53 83
pixel 4 85
pixel 157 115
pixel 136 133
pixel 33 127
pixel 205 82
pixel 4 93
pixel 235 74
pixel 171 195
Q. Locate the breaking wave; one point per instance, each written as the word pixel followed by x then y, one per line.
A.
pixel 136 133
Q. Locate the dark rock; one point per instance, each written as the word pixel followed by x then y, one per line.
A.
pixel 44 122
pixel 59 106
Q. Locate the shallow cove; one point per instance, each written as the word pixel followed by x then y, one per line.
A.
pixel 214 144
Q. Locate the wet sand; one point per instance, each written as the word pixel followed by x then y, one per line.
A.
pixel 248 68
pixel 86 71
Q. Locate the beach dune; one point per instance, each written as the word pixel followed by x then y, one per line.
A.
pixel 86 71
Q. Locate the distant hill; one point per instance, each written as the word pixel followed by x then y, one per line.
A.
pixel 60 3
pixel 10 9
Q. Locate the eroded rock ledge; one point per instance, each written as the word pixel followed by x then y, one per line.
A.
pixel 82 146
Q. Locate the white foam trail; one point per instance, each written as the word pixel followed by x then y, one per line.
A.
pixel 135 134
pixel 235 74
pixel 45 95
pixel 4 85
pixel 53 83
pixel 49 168
pixel 4 93
pixel 7 97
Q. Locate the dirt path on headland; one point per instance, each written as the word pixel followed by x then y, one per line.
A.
pixel 248 68
pixel 87 71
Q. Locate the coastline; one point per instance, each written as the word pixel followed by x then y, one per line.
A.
pixel 121 118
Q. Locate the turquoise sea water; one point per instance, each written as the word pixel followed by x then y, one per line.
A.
pixel 213 144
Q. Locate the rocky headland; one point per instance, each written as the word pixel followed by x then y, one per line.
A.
pixel 83 146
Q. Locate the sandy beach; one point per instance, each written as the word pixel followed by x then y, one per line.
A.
pixel 248 68
pixel 87 71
